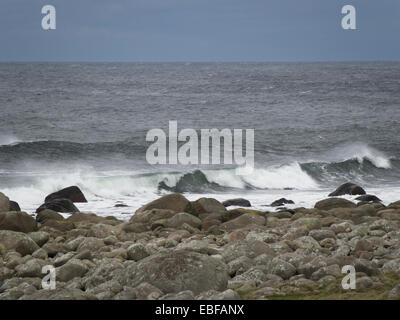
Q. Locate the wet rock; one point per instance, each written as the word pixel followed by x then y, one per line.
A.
pixel 59 205
pixel 14 206
pixel 368 198
pixel 240 202
pixel 281 202
pixel 347 188
pixel 72 193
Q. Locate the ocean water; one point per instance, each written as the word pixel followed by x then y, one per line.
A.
pixel 317 125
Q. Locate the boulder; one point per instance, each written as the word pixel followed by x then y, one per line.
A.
pixel 4 203
pixel 31 269
pixel 150 216
pixel 59 205
pixel 240 202
pixel 48 214
pixel 334 203
pixel 137 252
pixel 243 221
pixel 39 237
pixel 17 221
pixel 248 248
pixel 207 205
pixel 72 193
pixel 180 218
pixel 62 226
pixel 72 269
pixel 368 198
pixel 347 188
pixel 175 202
pixel 18 241
pixel 87 218
pixel 177 271
pixel 281 202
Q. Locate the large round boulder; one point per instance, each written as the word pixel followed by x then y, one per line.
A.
pixel 347 188
pixel 72 193
pixel 334 203
pixel 207 205
pixel 177 271
pixel 18 241
pixel 17 221
pixel 175 202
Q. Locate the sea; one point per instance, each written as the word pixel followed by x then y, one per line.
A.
pixel 316 126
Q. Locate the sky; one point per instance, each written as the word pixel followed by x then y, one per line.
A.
pixel 199 30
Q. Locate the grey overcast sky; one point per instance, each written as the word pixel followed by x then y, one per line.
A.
pixel 199 30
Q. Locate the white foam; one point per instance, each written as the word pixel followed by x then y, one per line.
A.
pixel 360 151
pixel 6 140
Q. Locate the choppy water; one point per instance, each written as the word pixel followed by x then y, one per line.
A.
pixel 317 125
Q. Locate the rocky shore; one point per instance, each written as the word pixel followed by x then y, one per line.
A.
pixel 173 248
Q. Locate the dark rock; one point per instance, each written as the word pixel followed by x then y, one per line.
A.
pixel 73 194
pixel 17 221
pixel 281 202
pixel 347 188
pixel 14 206
pixel 368 198
pixel 240 202
pixel 120 205
pixel 59 205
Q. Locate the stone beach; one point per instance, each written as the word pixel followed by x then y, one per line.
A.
pixel 176 249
